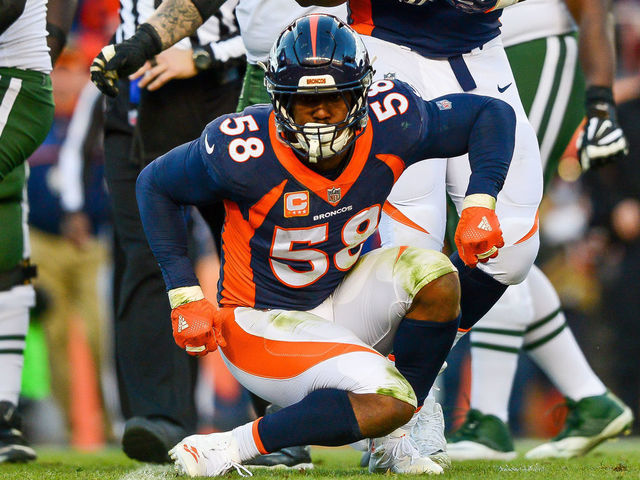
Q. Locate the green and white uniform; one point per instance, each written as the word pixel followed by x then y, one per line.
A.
pixel 26 115
pixel 540 39
pixel 261 21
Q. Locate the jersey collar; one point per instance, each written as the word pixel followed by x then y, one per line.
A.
pixel 314 181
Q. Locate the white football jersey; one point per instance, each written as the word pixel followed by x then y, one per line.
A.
pixel 24 44
pixel 533 19
pixel 261 21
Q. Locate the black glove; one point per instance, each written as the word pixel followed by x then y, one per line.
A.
pixel 122 59
pixel 602 140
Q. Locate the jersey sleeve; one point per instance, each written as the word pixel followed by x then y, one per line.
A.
pixel 483 127
pixel 179 178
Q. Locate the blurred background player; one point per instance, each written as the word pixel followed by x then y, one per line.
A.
pixel 544 58
pixel 173 97
pixel 32 35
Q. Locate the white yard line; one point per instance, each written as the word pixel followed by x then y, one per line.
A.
pixel 151 472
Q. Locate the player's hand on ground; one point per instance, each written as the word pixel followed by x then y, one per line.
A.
pixel 478 236
pixel 122 59
pixel 197 327
pixel 168 65
pixel 602 140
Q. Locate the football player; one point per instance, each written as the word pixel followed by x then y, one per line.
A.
pixel 32 36
pixel 305 323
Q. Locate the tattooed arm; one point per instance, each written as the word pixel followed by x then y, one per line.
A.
pixel 177 19
pixel 171 22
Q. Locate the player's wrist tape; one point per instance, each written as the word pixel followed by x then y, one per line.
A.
pixel 149 40
pixel 181 295
pixel 595 94
pixel 479 200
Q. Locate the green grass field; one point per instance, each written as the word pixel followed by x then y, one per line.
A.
pixel 613 460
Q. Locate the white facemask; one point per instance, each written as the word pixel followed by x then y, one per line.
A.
pixel 317 140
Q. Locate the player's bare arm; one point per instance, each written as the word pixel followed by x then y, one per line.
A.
pixel 10 10
pixel 60 15
pixel 597 55
pixel 602 140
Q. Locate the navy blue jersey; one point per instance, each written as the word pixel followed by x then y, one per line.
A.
pixel 291 234
pixel 435 29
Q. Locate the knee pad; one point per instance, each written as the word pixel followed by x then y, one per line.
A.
pixel 416 267
pixel 513 262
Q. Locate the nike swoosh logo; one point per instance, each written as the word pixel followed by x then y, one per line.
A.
pixel 503 89
pixel 208 148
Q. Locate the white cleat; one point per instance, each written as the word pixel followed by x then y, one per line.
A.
pixel 208 455
pixel 398 453
pixel 428 433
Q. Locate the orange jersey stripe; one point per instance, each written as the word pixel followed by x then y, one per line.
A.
pixel 531 232
pixel 264 357
pixel 238 288
pixel 314 181
pixel 361 15
pixel 400 217
pixel 395 163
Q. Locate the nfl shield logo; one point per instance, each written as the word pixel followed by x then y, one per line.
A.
pixel 444 104
pixel 334 195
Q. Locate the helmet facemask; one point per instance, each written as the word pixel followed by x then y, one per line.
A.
pixel 318 141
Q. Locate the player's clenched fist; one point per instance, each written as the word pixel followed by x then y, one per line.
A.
pixel 124 58
pixel 478 236
pixel 195 321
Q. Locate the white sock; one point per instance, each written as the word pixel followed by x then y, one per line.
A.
pixel 244 435
pixel 496 341
pixel 551 344
pixel 14 323
pixel 491 381
pixel 565 365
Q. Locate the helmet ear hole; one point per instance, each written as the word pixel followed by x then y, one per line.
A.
pixel 315 55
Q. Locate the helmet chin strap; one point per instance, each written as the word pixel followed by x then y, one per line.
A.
pixel 318 140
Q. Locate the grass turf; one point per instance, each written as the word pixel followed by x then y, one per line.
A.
pixel 613 460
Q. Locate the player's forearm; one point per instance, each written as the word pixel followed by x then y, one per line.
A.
pixel 10 10
pixel 596 47
pixel 60 15
pixel 177 19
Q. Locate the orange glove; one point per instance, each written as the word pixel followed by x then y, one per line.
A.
pixel 197 327
pixel 478 236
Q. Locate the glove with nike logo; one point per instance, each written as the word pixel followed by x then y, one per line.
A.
pixel 122 59
pixel 478 236
pixel 602 140
pixel 196 325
